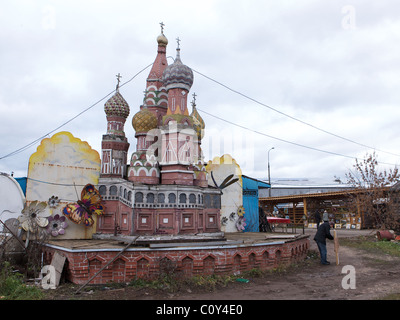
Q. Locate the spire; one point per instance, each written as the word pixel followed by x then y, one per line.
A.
pixel 162 39
pixel 178 51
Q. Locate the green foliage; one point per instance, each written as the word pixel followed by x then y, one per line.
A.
pixel 12 286
pixel 374 246
pixel 210 282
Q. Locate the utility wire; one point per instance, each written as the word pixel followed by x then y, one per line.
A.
pixel 232 123
pixel 291 117
pixel 70 120
pixel 286 141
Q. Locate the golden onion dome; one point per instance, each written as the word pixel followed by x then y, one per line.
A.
pixel 144 121
pixel 162 40
pixel 198 122
pixel 197 118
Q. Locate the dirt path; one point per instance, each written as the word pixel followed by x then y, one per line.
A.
pixel 376 276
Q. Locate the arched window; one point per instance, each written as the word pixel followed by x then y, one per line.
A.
pixel 161 198
pixel 138 197
pixel 150 198
pixel 182 198
pixel 113 191
pixel 171 198
pixel 102 190
pixel 192 198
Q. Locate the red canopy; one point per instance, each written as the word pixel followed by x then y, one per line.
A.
pixel 278 220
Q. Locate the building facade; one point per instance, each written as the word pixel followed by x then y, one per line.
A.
pixel 164 188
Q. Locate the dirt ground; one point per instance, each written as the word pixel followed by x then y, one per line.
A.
pixel 377 275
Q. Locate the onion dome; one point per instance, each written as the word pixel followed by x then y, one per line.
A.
pixel 162 40
pixel 198 122
pixel 177 75
pixel 116 106
pixel 144 121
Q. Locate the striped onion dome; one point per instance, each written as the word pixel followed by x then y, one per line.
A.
pixel 177 75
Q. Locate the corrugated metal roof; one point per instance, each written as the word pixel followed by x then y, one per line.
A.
pixel 320 195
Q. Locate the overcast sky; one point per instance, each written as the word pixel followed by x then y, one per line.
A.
pixel 317 80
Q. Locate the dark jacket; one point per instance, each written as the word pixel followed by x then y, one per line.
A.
pixel 323 232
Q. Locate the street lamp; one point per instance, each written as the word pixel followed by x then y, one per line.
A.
pixel 269 173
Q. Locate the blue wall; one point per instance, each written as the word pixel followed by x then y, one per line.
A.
pixel 22 183
pixel 250 202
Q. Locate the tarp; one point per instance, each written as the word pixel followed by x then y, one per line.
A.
pixel 250 202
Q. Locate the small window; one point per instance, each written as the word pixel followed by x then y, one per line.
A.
pixel 113 191
pixel 138 197
pixel 192 198
pixel 150 198
pixel 182 198
pixel 161 198
pixel 171 198
pixel 102 190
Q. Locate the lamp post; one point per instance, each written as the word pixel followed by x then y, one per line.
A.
pixel 269 173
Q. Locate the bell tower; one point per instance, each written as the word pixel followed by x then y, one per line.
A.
pixel 179 146
pixel 114 145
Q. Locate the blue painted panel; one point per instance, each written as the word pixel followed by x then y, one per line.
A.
pixel 250 202
pixel 22 183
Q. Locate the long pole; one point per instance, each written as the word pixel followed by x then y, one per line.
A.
pixel 269 173
pixel 106 265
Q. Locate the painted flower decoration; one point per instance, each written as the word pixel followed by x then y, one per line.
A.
pixel 57 225
pixel 240 211
pixel 34 216
pixel 224 221
pixel 53 202
pixel 240 223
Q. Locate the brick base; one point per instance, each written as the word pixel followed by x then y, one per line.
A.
pixel 148 263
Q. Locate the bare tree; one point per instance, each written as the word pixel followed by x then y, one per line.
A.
pixel 377 200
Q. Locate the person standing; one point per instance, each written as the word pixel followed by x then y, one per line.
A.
pixel 320 237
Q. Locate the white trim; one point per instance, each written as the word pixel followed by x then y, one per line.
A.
pixel 182 171
pixel 228 246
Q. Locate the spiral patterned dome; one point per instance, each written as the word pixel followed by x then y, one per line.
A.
pixel 116 106
pixel 177 75
pixel 144 121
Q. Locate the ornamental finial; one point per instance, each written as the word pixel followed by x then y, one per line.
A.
pixel 118 81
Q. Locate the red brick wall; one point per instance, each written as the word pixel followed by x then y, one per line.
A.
pixel 149 264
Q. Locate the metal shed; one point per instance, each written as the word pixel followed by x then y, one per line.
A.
pixel 250 202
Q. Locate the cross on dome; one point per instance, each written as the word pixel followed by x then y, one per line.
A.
pixel 162 27
pixel 194 99
pixel 118 80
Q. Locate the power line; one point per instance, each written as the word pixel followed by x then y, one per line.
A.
pixel 70 120
pixel 232 123
pixel 283 140
pixel 291 117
